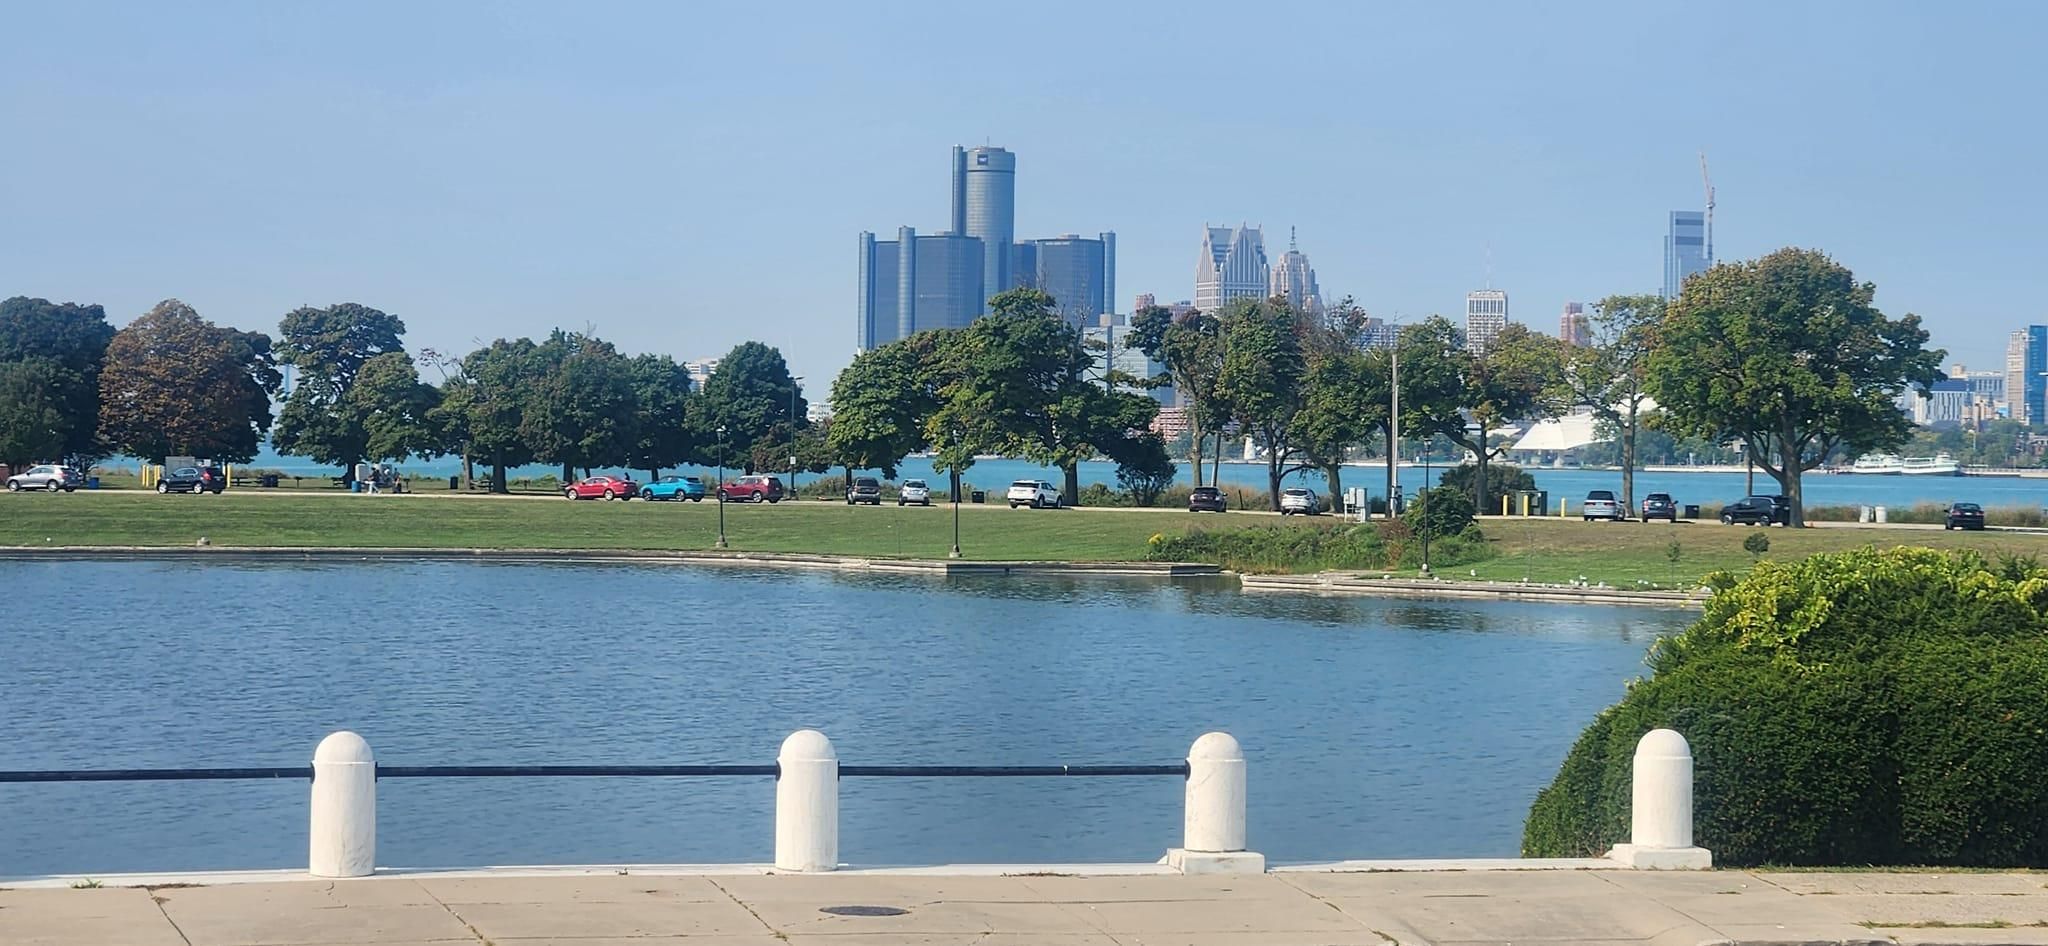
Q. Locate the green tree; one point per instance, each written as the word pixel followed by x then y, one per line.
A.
pixel 175 384
pixel 1143 468
pixel 329 347
pixel 1788 354
pixel 395 409
pixel 1519 376
pixel 1611 376
pixel 50 358
pixel 1430 360
pixel 881 402
pixel 662 402
pixel 1261 378
pixel 750 395
pixel 1191 348
pixel 1015 382
pixel 484 403
pixel 580 412
pixel 1344 396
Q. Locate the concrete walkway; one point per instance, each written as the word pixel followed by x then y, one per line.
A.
pixel 1290 908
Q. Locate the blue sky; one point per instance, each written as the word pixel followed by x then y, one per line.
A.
pixel 683 177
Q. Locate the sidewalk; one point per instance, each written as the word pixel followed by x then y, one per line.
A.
pixel 1287 908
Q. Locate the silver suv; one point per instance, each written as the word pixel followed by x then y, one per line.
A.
pixel 1300 501
pixel 48 476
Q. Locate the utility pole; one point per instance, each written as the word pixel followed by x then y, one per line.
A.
pixel 1394 432
pixel 1709 182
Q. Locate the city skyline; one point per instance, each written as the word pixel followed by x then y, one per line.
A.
pixel 651 175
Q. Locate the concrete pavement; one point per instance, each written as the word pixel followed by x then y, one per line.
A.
pixel 617 907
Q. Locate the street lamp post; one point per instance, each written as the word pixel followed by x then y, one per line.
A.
pixel 792 435
pixel 1426 476
pixel 721 486
pixel 955 491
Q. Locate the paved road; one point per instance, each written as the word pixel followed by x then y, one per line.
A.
pixel 1280 909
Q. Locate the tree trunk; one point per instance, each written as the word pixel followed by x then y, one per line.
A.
pixel 1195 436
pixel 498 478
pixel 1335 472
pixel 568 474
pixel 653 474
pixel 468 470
pixel 1628 458
pixel 1789 463
pixel 1071 491
pixel 1479 487
pixel 1216 468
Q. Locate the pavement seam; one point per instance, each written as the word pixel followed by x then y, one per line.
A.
pixel 1337 907
pixel 459 918
pixel 778 934
pixel 158 902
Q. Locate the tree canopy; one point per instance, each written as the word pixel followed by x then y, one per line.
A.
pixel 175 384
pixel 50 358
pixel 324 417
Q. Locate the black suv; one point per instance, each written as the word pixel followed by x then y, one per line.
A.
pixel 1208 499
pixel 193 479
pixel 865 489
pixel 1758 511
pixel 1660 506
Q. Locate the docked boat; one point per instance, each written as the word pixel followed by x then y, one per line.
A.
pixel 1941 464
pixel 1891 464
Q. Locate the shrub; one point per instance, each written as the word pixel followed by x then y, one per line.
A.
pixel 1756 543
pixel 1279 549
pixel 1868 707
pixel 1501 479
pixel 1449 512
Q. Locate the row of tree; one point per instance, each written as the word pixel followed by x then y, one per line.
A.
pixel 173 384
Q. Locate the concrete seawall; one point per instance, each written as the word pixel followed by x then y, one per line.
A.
pixel 1347 583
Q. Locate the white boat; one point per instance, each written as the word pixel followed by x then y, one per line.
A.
pixel 1878 464
pixel 1941 464
pixel 1891 464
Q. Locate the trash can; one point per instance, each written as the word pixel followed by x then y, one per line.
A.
pixel 269 481
pixel 92 482
pixel 1542 507
pixel 1879 513
pixel 355 486
pixel 455 482
pixel 977 496
pixel 1863 514
pixel 1692 510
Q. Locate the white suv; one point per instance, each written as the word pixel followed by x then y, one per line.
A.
pixel 1038 494
pixel 1300 501
pixel 914 491
pixel 1601 504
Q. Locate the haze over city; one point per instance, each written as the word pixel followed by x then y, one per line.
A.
pixel 685 178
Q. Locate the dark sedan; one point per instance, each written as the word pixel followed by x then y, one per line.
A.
pixel 1208 499
pixel 1963 516
pixel 1660 506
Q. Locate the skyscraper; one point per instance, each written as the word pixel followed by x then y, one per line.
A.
pixel 1574 327
pixel 1232 266
pixel 985 207
pixel 1685 250
pixel 914 283
pixel 1486 315
pixel 2016 377
pixel 2035 387
pixel 1079 273
pixel 1112 332
pixel 1296 279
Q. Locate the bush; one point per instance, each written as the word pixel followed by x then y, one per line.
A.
pixel 1869 707
pixel 1321 547
pixel 1756 543
pixel 1449 512
pixel 1501 479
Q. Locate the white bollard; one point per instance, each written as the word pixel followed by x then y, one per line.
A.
pixel 1213 828
pixel 344 830
pixel 1660 807
pixel 807 803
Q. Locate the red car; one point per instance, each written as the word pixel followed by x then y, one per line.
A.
pixel 752 489
pixel 600 487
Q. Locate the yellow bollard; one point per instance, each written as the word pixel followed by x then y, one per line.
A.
pixel 228 472
pixel 1503 506
pixel 1560 507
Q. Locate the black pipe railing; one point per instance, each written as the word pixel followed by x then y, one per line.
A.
pixel 579 771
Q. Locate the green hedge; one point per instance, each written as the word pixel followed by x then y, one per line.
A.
pixel 1321 547
pixel 1861 708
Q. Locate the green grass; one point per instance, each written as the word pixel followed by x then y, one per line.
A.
pixel 1545 550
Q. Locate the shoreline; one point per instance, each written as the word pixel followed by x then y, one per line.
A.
pixel 1351 584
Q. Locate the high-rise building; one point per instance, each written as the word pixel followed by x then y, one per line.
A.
pixel 1232 266
pixel 1685 250
pixel 2034 387
pixel 700 371
pixel 914 283
pixel 1078 272
pixel 1486 315
pixel 1295 279
pixel 1112 332
pixel 985 207
pixel 2016 376
pixel 1947 402
pixel 1573 326
pixel 1379 334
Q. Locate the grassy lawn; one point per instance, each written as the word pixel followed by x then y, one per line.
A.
pixel 1546 550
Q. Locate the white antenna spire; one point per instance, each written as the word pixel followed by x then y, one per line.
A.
pixel 1709 182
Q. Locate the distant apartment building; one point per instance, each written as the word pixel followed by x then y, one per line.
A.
pixel 700 372
pixel 1379 335
pixel 1172 423
pixel 1685 250
pixel 1573 326
pixel 1946 404
pixel 1232 266
pixel 920 281
pixel 2033 386
pixel 2016 376
pixel 1295 279
pixel 1112 332
pixel 1146 300
pixel 1486 316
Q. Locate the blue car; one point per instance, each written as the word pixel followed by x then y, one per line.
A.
pixel 674 487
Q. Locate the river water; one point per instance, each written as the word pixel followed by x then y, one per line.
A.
pixel 1373 728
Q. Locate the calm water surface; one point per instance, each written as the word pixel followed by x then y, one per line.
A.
pixel 1373 728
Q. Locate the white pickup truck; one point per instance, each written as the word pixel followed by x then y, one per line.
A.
pixel 1601 504
pixel 1038 494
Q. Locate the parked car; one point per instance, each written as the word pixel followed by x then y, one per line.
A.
pixel 1963 516
pixel 601 487
pixel 1038 494
pixel 1601 504
pixel 1300 501
pixel 914 491
pixel 1758 511
pixel 675 487
pixel 865 489
pixel 1660 506
pixel 193 479
pixel 1208 499
pixel 752 489
pixel 50 476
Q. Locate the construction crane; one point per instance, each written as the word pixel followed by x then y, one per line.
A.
pixel 1710 207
